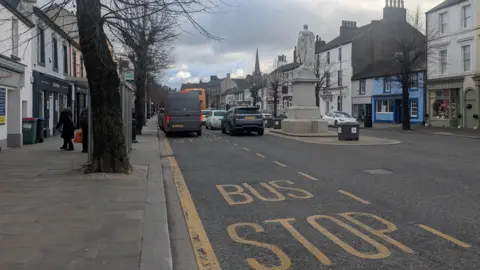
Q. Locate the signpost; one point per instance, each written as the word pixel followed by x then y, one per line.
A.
pixel 3 103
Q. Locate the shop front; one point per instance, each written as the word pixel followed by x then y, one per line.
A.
pixel 81 92
pixel 50 94
pixel 444 102
pixel 12 81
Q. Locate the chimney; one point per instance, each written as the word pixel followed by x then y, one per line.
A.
pixel 213 78
pixel 394 11
pixel 347 27
pixel 26 7
pixel 228 75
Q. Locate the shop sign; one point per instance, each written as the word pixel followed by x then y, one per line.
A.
pixel 3 95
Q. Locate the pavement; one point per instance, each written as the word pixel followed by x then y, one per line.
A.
pixel 266 202
pixel 52 216
pixel 427 130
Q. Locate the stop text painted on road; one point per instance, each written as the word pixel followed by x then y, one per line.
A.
pixel 236 194
pixel 382 251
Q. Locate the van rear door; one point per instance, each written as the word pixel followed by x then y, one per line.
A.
pixel 184 113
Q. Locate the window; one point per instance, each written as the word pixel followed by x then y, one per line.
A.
pixel 466 57
pixel 443 22
pixel 467 16
pixel 41 46
pixel 414 81
pixel 339 78
pixel 443 61
pixel 81 66
pixel 340 54
pixel 327 79
pixel 414 108
pixel 385 106
pixel 15 37
pixel 65 59
pixel 318 61
pixel 387 85
pixel 339 103
pixel 443 104
pixel 361 89
pixel 55 53
pixel 74 58
pixel 328 57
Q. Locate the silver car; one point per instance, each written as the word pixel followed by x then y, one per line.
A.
pixel 243 119
pixel 214 121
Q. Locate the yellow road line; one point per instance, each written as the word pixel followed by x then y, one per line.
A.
pixel 260 155
pixel 307 176
pixel 354 197
pixel 444 236
pixel 206 258
pixel 246 149
pixel 280 164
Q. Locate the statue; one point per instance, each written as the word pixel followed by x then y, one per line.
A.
pixel 306 48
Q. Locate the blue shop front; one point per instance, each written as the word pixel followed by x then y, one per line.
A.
pixel 50 94
pixel 387 99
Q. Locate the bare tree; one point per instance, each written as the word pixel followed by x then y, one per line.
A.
pixel 274 80
pixel 323 69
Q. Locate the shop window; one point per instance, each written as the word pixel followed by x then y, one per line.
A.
pixel 414 108
pixel 385 106
pixel 443 104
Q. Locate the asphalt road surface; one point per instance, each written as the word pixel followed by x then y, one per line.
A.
pixel 266 202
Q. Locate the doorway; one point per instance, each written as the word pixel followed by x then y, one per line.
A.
pixel 470 108
pixel 398 112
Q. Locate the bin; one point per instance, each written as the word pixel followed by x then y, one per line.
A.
pixel 348 131
pixel 268 122
pixel 29 130
pixel 277 123
pixel 40 128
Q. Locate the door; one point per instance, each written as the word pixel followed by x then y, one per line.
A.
pixel 51 110
pixel 470 108
pixel 397 116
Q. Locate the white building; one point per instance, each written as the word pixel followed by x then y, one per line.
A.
pixel 15 74
pixel 453 69
pixel 334 62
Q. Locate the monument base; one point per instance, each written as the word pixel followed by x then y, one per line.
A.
pixel 304 126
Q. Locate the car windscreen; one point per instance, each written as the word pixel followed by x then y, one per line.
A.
pixel 247 111
pixel 185 105
pixel 219 113
pixel 342 114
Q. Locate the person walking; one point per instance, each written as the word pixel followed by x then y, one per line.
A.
pixel 68 129
pixel 84 127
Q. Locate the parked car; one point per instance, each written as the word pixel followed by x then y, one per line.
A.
pixel 205 115
pixel 182 113
pixel 335 117
pixel 243 119
pixel 214 121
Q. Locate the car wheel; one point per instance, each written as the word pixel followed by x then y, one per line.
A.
pixel 260 132
pixel 168 134
pixel 199 133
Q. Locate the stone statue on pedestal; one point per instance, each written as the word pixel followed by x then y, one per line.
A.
pixel 306 48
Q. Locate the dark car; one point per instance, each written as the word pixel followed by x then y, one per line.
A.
pixel 243 119
pixel 182 113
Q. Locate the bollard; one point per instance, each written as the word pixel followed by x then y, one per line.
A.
pixel 134 134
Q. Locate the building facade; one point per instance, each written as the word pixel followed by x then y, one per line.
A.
pixel 15 74
pixel 454 68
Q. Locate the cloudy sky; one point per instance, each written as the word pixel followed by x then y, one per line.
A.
pixel 271 26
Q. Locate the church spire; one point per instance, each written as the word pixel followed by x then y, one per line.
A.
pixel 257 65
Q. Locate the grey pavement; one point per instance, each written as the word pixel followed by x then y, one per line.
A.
pixel 52 216
pixel 270 201
pixel 421 129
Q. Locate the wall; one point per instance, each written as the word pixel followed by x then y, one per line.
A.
pixel 25 44
pixel 452 40
pixel 362 99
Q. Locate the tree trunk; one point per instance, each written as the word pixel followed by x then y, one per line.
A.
pixel 405 102
pixel 275 100
pixel 140 77
pixel 109 151
pixel 317 95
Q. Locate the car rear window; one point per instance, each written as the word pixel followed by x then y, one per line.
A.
pixel 207 113
pixel 219 113
pixel 247 111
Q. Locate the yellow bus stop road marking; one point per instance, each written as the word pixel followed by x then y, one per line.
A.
pixel 354 197
pixel 444 236
pixel 206 258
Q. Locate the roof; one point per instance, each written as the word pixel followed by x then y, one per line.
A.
pixel 11 6
pixel 286 67
pixel 193 85
pixel 54 26
pixel 65 19
pixel 242 83
pixel 345 38
pixel 379 69
pixel 445 4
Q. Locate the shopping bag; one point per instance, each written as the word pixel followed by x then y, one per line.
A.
pixel 78 136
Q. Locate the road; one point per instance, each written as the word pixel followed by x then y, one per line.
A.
pixel 272 203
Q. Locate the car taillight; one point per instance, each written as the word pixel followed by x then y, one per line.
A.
pixel 201 117
pixel 168 118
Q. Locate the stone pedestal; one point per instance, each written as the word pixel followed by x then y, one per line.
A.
pixel 304 117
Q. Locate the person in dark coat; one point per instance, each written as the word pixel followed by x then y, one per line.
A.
pixel 68 128
pixel 84 127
